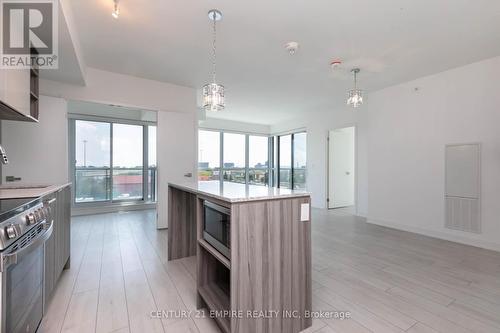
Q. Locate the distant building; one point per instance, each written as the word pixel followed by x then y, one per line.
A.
pixel 203 165
pixel 229 165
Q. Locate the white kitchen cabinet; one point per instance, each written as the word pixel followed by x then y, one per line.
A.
pixel 15 89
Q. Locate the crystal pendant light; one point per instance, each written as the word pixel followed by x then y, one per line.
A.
pixel 355 97
pixel 213 93
pixel 116 9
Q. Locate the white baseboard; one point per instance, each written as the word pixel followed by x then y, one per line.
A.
pixel 439 234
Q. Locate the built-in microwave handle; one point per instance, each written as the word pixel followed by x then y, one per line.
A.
pixel 218 208
pixel 9 259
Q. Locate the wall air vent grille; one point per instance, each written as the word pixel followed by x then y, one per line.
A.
pixel 463 187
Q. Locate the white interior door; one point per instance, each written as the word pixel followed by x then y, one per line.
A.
pixel 341 167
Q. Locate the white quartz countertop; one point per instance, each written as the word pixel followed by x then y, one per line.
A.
pixel 8 191
pixel 234 192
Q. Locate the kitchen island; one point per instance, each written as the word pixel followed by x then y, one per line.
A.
pixel 263 283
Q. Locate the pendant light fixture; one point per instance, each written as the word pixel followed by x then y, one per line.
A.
pixel 116 9
pixel 213 93
pixel 355 97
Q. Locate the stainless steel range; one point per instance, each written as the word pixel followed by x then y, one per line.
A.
pixel 25 225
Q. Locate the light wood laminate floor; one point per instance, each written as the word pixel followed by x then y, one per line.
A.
pixel 390 281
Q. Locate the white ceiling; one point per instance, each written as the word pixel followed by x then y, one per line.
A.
pixel 392 41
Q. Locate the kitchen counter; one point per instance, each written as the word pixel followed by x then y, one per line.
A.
pixel 234 192
pixel 28 192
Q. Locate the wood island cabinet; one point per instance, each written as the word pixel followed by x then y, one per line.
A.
pixel 265 284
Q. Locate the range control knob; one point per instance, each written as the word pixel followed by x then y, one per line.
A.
pixel 10 231
pixel 30 219
pixel 39 214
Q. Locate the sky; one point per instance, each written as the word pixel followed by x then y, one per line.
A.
pixel 94 138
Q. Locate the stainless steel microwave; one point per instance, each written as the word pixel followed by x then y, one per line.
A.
pixel 217 227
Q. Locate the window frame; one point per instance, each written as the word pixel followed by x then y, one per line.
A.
pixel 72 119
pixel 273 151
pixel 247 154
pixel 292 147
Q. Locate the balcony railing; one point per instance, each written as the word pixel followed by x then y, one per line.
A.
pixel 98 185
pixel 256 176
pixel 235 175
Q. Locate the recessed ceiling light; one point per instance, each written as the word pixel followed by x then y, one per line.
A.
pixel 292 47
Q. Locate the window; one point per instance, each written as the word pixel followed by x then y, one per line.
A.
pixel 234 158
pixel 92 161
pixel 253 159
pixel 113 161
pixel 258 160
pixel 127 162
pixel 291 157
pixel 285 161
pixel 274 179
pixel 299 160
pixel 208 155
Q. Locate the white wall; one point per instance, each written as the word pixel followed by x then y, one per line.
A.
pixel 408 131
pixel 177 146
pixel 38 153
pixel 401 137
pixel 317 125
pixel 125 90
pixel 235 126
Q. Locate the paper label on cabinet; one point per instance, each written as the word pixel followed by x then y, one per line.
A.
pixel 304 212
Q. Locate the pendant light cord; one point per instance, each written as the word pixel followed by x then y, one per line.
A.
pixel 214 48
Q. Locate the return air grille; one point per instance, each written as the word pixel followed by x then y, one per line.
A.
pixel 463 187
pixel 463 214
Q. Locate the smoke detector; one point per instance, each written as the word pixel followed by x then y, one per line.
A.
pixel 335 64
pixel 292 47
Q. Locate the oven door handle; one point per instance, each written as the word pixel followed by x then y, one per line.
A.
pixel 12 258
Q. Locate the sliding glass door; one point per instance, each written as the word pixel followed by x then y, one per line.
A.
pixel 92 161
pixel 291 158
pixel 128 162
pixel 114 162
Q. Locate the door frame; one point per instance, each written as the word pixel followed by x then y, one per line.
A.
pixel 327 197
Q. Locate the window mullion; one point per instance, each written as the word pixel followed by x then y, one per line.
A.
pixel 278 164
pixel 221 155
pixel 247 155
pixel 145 162
pixel 292 161
pixel 111 165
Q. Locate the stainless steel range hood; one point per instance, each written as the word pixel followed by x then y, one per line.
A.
pixel 9 113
